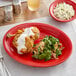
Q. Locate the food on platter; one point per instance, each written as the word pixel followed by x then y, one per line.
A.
pixel 47 48
pixel 24 39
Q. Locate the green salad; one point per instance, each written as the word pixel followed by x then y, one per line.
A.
pixel 48 48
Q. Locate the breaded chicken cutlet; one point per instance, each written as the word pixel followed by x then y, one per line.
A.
pixel 24 39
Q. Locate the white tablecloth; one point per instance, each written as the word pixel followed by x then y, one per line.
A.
pixel 68 68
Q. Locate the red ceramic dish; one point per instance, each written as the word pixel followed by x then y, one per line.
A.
pixel 45 29
pixel 51 8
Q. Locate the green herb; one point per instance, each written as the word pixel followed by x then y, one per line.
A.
pixel 35 56
pixel 34 45
pixel 42 56
pixel 58 52
pixel 50 42
pixel 39 50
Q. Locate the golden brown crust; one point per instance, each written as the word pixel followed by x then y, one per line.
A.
pixel 37 32
pixel 15 40
pixel 29 43
pixel 29 40
pixel 18 33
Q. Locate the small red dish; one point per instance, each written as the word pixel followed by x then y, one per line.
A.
pixel 51 8
pixel 45 29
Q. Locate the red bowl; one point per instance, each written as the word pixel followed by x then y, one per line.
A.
pixel 45 29
pixel 54 4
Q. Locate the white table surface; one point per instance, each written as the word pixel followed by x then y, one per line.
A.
pixel 68 68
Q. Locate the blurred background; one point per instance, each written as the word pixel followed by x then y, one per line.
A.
pixel 7 2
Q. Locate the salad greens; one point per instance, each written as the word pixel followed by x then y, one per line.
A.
pixel 52 47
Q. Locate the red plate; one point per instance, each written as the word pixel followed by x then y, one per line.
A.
pixel 45 29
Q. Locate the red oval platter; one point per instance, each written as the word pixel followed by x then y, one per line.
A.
pixel 45 29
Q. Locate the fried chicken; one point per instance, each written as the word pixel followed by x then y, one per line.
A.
pixel 24 39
